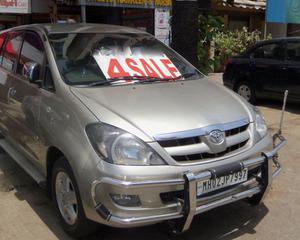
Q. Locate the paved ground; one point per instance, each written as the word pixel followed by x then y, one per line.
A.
pixel 27 213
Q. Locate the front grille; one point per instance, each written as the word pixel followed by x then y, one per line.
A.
pixel 180 142
pixel 207 155
pixel 175 147
pixel 237 130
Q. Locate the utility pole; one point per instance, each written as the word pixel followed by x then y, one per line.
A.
pixel 185 29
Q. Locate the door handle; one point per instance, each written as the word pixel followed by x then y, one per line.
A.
pixel 11 92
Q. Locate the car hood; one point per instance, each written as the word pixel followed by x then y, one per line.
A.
pixel 149 110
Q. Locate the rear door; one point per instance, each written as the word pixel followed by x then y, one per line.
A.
pixel 8 61
pixel 4 87
pixel 267 68
pixel 292 69
pixel 27 96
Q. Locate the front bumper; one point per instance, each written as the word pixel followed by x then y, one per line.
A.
pixel 189 205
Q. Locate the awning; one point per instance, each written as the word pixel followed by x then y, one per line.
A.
pixel 246 4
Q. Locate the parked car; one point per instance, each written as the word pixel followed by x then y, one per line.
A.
pixel 125 132
pixel 266 70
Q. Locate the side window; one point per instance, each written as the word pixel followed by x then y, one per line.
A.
pixel 32 54
pixel 11 50
pixel 268 51
pixel 293 51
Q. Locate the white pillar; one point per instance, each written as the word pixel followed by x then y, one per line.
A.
pixel 83 13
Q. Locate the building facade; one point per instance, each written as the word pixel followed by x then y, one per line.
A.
pixel 241 13
pixel 152 16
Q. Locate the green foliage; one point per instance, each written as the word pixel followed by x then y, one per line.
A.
pixel 225 44
pixel 228 44
pixel 209 26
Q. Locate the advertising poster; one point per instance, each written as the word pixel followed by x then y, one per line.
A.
pixel 162 25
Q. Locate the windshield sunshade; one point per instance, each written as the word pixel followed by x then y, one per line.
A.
pixel 107 59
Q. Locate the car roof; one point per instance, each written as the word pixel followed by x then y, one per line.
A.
pixel 281 39
pixel 50 28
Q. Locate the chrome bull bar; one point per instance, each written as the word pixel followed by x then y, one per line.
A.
pixel 190 209
pixel 266 160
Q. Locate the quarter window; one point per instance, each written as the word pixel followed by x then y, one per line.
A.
pixel 32 52
pixel 268 51
pixel 293 51
pixel 11 50
pixel 2 39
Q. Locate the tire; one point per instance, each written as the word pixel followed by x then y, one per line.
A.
pixel 67 201
pixel 245 90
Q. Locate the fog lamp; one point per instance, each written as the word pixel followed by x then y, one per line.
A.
pixel 126 200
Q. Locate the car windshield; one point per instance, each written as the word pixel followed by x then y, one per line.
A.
pixel 92 59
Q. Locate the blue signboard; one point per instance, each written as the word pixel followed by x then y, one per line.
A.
pixel 276 11
pixel 283 11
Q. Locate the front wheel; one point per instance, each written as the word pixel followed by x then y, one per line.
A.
pixel 67 201
pixel 245 90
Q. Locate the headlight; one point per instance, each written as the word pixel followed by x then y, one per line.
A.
pixel 260 124
pixel 119 147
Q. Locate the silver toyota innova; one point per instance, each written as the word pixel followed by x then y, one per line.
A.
pixel 125 132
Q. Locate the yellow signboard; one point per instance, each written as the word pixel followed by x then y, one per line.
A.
pixel 163 3
pixel 139 3
pixel 134 2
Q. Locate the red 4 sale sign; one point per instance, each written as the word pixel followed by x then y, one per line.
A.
pixel 114 66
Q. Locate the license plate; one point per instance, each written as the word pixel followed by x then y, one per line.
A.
pixel 221 182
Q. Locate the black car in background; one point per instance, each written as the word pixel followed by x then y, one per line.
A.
pixel 266 70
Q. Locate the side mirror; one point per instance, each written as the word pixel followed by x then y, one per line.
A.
pixel 31 70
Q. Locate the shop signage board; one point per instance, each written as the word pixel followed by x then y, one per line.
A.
pixel 15 6
pixel 132 3
pixel 283 11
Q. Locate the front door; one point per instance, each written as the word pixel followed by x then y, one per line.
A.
pixel 27 96
pixel 267 68
pixel 292 69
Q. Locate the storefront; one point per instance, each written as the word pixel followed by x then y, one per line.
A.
pixel 149 15
pixel 13 12
pixel 18 12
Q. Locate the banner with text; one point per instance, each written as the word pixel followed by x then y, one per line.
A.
pixel 287 11
pixel 140 66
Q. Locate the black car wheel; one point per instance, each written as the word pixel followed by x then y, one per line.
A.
pixel 245 90
pixel 67 201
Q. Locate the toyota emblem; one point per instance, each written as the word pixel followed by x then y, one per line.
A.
pixel 217 136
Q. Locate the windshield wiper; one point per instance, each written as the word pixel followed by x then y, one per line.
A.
pixel 110 81
pixel 140 79
pixel 117 79
pixel 181 77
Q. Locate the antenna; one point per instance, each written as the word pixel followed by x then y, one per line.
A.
pixel 286 93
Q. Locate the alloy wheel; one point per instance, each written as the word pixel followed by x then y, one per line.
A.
pixel 66 198
pixel 245 91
